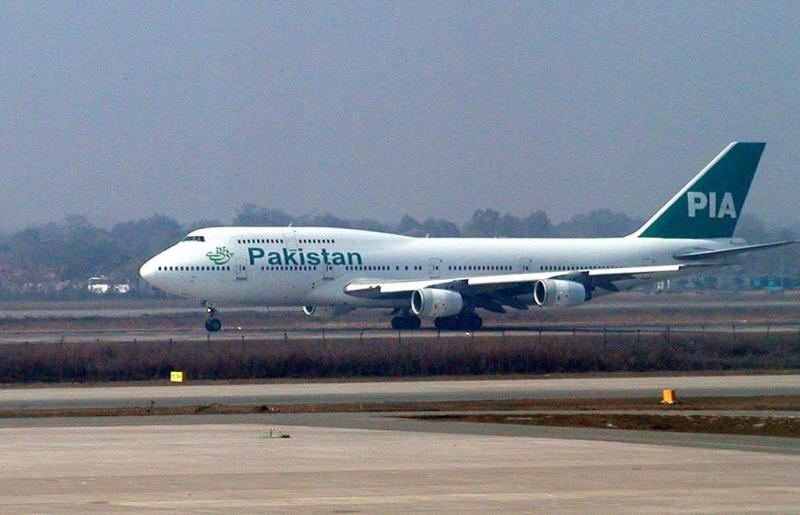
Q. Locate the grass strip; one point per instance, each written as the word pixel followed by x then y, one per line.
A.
pixel 787 427
pixel 776 403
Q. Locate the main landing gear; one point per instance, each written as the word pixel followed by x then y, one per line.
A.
pixel 468 321
pixel 465 321
pixel 406 322
pixel 213 323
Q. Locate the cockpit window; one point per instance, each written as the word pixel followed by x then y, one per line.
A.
pixel 194 238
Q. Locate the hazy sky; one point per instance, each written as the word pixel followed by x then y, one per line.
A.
pixel 377 109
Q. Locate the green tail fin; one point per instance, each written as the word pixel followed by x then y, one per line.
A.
pixel 709 206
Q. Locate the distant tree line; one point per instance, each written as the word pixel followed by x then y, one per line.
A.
pixel 57 258
pixel 487 223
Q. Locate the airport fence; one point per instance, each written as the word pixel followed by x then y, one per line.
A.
pixel 302 355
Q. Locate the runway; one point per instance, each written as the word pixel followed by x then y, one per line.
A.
pixel 133 308
pixel 219 465
pixel 399 391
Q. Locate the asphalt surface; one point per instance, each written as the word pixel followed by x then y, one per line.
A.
pixel 404 421
pixel 398 391
pixel 164 307
pixel 364 462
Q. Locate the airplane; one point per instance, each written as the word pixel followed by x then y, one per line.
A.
pixel 331 271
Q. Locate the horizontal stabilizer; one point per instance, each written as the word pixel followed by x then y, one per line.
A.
pixel 715 254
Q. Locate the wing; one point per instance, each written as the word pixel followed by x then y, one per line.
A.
pixel 495 291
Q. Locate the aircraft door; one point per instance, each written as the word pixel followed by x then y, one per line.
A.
pixel 435 268
pixel 290 237
pixel 525 265
pixel 327 272
pixel 241 269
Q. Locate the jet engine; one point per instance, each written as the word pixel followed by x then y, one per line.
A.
pixel 326 311
pixel 435 302
pixel 559 293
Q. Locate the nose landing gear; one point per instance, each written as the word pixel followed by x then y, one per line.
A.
pixel 213 324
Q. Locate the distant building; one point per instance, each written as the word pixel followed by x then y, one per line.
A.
pixel 102 285
pixel 99 284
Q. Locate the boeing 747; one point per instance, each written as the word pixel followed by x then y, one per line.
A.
pixel 330 271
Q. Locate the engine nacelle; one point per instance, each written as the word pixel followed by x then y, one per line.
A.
pixel 559 293
pixel 326 311
pixel 434 303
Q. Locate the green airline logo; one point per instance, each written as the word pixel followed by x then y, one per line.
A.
pixel 220 256
pixel 298 257
pixel 710 205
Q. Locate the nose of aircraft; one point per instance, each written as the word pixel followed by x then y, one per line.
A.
pixel 147 271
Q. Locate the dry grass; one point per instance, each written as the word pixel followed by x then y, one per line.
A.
pixel 788 427
pixel 761 403
pixel 412 356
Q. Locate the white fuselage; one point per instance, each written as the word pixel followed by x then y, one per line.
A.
pixel 310 266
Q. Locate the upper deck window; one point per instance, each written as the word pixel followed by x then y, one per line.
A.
pixel 194 238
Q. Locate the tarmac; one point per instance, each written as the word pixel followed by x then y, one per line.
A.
pixel 230 464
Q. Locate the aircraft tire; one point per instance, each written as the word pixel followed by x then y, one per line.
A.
pixel 473 322
pixel 446 323
pixel 465 322
pixel 406 323
pixel 213 324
